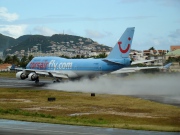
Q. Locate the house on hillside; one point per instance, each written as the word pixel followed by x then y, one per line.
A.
pixel 1 55
pixel 5 67
pixel 175 53
pixel 174 47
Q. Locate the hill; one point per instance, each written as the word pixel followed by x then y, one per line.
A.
pixel 48 44
pixel 6 42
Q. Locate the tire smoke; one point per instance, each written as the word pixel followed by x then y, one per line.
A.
pixel 136 84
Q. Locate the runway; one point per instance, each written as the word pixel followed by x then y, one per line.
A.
pixel 15 83
pixel 9 127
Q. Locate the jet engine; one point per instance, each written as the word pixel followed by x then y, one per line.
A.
pixel 21 75
pixel 32 77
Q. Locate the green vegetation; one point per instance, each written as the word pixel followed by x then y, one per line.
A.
pixel 14 60
pixel 25 60
pixel 28 41
pixel 24 113
pixel 173 59
pixel 102 55
pixel 6 42
pixel 151 48
pixel 77 108
pixel 8 74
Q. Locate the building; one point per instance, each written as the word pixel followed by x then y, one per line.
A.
pixel 5 67
pixel 136 55
pixel 154 52
pixel 1 55
pixel 149 55
pixel 174 47
pixel 175 65
pixel 175 53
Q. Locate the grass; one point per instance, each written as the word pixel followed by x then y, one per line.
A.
pixel 81 109
pixel 8 74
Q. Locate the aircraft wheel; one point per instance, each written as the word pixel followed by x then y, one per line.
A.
pixel 58 80
pixel 37 81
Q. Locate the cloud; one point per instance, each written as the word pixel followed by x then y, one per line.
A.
pixel 170 3
pixel 94 34
pixel 70 32
pixel 10 30
pixel 13 30
pixel 175 34
pixel 6 16
pixel 158 42
pixel 44 31
pixel 130 1
pixel 53 20
pixel 174 37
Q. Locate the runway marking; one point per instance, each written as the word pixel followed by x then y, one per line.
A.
pixel 51 131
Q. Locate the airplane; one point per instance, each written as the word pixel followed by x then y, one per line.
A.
pixel 135 69
pixel 62 68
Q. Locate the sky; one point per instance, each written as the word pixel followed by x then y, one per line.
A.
pixel 156 22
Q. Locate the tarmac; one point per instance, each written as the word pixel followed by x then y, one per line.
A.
pixel 8 127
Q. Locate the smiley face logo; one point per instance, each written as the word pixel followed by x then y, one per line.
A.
pixel 127 49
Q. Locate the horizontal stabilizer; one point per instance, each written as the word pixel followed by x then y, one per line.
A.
pixel 142 61
pixel 121 62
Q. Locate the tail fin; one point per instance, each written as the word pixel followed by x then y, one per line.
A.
pixel 167 66
pixel 12 67
pixel 123 46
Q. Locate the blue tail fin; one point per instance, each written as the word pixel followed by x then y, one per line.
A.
pixel 167 66
pixel 12 67
pixel 123 46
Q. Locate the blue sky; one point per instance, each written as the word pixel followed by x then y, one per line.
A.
pixel 156 22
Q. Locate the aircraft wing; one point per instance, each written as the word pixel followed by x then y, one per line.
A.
pixel 130 70
pixel 50 73
pixel 142 61
pixel 134 69
pixel 123 70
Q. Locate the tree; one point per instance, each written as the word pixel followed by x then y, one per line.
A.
pixel 30 58
pixel 8 60
pixel 15 60
pixel 173 59
pixel 152 48
pixel 102 55
pixel 1 61
pixel 24 61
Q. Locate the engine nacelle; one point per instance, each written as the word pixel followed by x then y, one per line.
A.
pixel 21 75
pixel 32 77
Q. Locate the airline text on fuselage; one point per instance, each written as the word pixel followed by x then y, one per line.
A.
pixel 51 65
pixel 60 65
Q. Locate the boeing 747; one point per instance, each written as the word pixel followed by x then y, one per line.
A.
pixel 60 68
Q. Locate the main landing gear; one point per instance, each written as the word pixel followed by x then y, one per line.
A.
pixel 56 80
pixel 37 81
